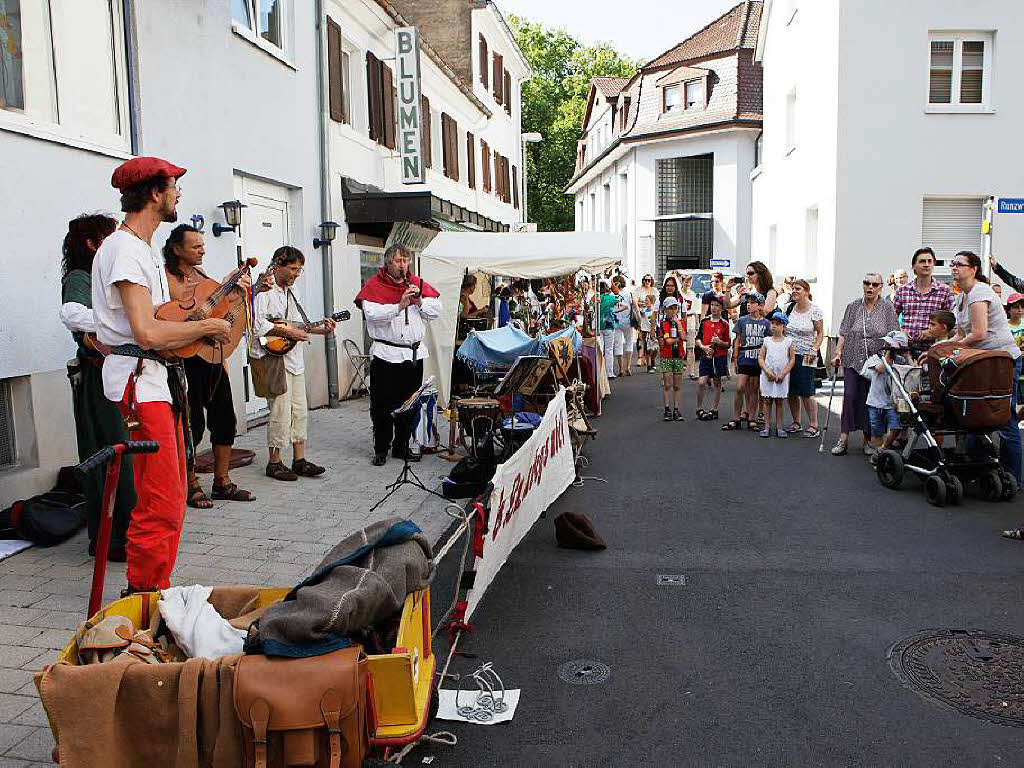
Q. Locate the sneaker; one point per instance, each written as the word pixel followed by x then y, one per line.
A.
pixel 307 468
pixel 839 449
pixel 869 450
pixel 279 471
pixel 781 433
pixel 652 369
pixel 668 414
pixel 676 415
pixel 765 432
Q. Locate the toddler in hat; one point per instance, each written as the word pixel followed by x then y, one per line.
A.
pixel 776 359
pixel 883 420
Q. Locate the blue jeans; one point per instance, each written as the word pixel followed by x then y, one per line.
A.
pixel 881 420
pixel 1009 436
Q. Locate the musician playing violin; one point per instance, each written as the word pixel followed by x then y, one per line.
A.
pixel 209 390
pixel 288 412
pixel 128 283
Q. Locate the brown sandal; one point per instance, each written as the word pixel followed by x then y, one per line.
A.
pixel 279 471
pixel 231 492
pixel 197 499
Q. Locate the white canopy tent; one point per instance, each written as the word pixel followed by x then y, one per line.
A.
pixel 530 255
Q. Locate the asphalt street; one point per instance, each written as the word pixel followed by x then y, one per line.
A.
pixel 800 572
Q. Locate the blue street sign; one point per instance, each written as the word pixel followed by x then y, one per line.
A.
pixel 1011 205
pixel 720 263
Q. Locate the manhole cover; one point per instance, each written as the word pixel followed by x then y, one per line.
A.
pixel 980 674
pixel 584 672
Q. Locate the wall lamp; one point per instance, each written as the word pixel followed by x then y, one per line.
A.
pixel 232 215
pixel 328 231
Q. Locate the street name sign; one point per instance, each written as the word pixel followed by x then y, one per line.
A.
pixel 1011 205
pixel 720 263
pixel 407 63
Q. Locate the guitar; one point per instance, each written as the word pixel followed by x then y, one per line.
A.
pixel 210 298
pixel 280 346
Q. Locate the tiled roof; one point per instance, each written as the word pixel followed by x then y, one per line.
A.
pixel 609 86
pixel 737 28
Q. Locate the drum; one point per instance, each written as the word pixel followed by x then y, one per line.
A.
pixel 478 417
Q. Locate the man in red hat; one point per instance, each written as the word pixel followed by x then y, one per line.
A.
pixel 128 283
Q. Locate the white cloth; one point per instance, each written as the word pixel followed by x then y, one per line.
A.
pixel 387 322
pixel 197 627
pixel 77 317
pixel 275 303
pixel 608 350
pixel 776 355
pixel 122 257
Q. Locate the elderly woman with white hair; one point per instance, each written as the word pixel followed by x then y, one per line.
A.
pixel 865 323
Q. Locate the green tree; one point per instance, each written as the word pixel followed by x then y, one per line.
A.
pixel 554 101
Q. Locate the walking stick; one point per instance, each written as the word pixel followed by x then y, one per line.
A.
pixel 828 413
pixel 111 454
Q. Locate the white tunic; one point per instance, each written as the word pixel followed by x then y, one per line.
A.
pixel 776 355
pixel 387 322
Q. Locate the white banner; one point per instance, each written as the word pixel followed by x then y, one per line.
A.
pixel 524 486
pixel 407 83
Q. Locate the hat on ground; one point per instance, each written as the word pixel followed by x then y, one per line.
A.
pixel 670 301
pixel 140 169
pixel 710 296
pixel 1014 298
pixel 896 340
pixel 779 317
pixel 755 297
pixel 574 531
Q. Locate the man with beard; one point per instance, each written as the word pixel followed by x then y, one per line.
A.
pixel 128 284
pixel 288 411
pixel 396 306
pixel 209 390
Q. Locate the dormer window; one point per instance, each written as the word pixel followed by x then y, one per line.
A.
pixel 694 94
pixel 673 98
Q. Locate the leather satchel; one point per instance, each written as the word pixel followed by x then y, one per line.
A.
pixel 303 711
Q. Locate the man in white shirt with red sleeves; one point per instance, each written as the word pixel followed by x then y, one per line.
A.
pixel 396 305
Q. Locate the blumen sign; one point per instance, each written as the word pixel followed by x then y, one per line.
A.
pixel 407 63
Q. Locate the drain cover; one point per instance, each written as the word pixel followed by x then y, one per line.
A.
pixel 977 673
pixel 584 672
pixel 671 580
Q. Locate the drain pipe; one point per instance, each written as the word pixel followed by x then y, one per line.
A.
pixel 330 340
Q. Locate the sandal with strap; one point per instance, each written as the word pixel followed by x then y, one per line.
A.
pixel 197 498
pixel 231 492
pixel 1016 533
pixel 729 426
pixel 794 428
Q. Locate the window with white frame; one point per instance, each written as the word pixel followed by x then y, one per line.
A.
pixel 959 70
pixel 265 19
pixel 694 94
pixel 63 69
pixel 672 98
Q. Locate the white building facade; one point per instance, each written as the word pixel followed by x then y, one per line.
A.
pixel 240 93
pixel 866 158
pixel 665 157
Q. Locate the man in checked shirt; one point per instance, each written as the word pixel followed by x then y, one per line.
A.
pixel 915 302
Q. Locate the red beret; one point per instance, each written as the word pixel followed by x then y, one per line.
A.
pixel 140 169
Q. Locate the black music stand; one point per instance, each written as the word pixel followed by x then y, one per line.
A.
pixel 406 412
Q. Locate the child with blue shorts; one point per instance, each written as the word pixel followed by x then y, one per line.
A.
pixel 883 420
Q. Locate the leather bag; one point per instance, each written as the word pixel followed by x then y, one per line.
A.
pixel 309 711
pixel 268 376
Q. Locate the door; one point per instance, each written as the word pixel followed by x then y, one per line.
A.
pixel 264 230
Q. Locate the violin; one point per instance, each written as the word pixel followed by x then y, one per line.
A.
pixel 210 299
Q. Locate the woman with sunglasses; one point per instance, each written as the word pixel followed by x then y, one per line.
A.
pixel 981 323
pixel 647 301
pixel 759 280
pixel 865 323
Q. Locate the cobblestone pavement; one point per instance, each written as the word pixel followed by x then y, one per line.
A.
pixel 275 540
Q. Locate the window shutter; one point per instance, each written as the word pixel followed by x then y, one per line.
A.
pixel 425 137
pixel 498 80
pixel 508 92
pixel 388 95
pixel 335 85
pixel 455 150
pixel 470 160
pixel 624 113
pixel 515 189
pixel 485 160
pixel 374 102
pixel 484 63
pixel 952 225
pixel 447 134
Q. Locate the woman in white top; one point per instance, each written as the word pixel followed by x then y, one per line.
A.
pixel 981 323
pixel 806 328
pixel 691 309
pixel 647 302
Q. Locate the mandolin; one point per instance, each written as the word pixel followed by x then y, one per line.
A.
pixel 210 298
pixel 279 345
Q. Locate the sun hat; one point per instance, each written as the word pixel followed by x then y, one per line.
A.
pixel 779 317
pixel 1014 298
pixel 755 297
pixel 670 301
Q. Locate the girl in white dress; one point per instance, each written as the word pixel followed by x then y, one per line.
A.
pixel 776 359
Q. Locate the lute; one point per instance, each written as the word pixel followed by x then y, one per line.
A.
pixel 279 345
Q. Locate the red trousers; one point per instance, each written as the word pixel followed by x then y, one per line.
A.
pixel 160 487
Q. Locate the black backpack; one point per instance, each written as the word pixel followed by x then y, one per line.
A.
pixel 46 519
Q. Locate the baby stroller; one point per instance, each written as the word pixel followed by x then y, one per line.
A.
pixel 965 396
